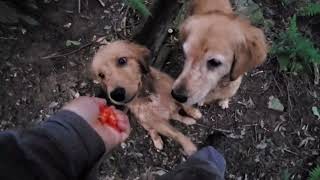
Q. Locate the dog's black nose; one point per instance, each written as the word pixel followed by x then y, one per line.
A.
pixel 180 96
pixel 118 94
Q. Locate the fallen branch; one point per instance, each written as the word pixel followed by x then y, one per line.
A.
pixel 57 55
pixel 316 73
pixel 102 3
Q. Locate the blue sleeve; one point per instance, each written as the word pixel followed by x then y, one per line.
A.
pixel 206 164
pixel 64 147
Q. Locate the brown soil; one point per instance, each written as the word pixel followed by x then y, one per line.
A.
pixel 257 142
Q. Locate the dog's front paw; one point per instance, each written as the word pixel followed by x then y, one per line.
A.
pixel 197 114
pixel 224 104
pixel 193 112
pixel 158 143
pixel 189 121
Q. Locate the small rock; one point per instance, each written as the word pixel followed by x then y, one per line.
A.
pixel 160 172
pixel 275 104
pixel 107 27
pixel 23 31
pixel 68 25
pixel 53 104
pixel 262 145
pixel 96 82
pixel 83 84
pixel 123 145
pixel 77 95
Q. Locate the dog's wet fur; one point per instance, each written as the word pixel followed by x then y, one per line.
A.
pixel 122 69
pixel 219 48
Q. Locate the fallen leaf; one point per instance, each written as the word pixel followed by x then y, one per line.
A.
pixel 262 145
pixel 316 111
pixel 275 104
pixel 72 43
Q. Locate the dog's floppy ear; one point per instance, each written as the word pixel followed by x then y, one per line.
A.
pixel 250 53
pixel 184 30
pixel 143 59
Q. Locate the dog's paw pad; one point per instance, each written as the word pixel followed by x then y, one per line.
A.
pixel 189 121
pixel 224 104
pixel 197 114
pixel 158 144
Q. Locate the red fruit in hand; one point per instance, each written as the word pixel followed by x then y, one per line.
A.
pixel 107 116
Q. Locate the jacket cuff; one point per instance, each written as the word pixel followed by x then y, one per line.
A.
pixel 82 143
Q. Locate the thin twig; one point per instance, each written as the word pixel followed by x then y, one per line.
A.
pixel 102 3
pixel 124 22
pixel 316 74
pixel 277 84
pixel 56 55
pixel 288 97
pixel 8 38
pixel 289 151
pixel 79 6
pixel 201 125
pixel 222 130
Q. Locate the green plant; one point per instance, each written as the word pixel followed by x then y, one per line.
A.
pixel 315 174
pixel 310 9
pixel 285 175
pixel 294 51
pixel 139 6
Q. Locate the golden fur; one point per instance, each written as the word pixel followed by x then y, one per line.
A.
pixel 147 91
pixel 214 32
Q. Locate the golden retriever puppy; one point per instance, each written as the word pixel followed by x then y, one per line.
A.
pixel 219 48
pixel 122 69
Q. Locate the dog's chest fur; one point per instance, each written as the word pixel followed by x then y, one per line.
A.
pixel 157 105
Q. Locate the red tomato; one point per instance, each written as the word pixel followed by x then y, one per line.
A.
pixel 107 116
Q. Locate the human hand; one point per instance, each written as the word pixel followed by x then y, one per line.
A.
pixel 88 109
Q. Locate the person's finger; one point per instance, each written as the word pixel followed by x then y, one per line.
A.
pixel 125 135
pixel 123 121
pixel 125 127
pixel 99 101
pixel 111 136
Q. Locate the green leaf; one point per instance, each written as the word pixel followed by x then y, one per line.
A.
pixel 311 9
pixel 316 111
pixel 139 6
pixel 72 43
pixel 284 61
pixel 285 175
pixel 315 174
pixel 294 51
pixel 275 104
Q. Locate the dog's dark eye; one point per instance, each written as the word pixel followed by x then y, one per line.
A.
pixel 101 75
pixel 122 61
pixel 213 63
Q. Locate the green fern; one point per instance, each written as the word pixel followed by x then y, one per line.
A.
pixel 315 174
pixel 312 9
pixel 139 6
pixel 294 51
pixel 285 175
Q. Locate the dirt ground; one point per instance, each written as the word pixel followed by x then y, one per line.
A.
pixel 258 143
